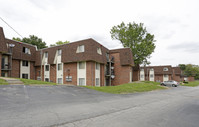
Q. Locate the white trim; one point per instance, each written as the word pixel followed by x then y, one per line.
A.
pixel 81 73
pixel 97 73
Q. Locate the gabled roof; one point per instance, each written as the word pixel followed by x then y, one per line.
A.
pixel 69 52
pixel 3 46
pixel 126 56
pixel 18 50
pixel 177 70
pixel 158 69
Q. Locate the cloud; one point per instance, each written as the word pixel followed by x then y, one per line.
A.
pixel 189 47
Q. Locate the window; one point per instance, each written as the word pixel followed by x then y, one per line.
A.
pixel 26 50
pixel 25 76
pixel 46 79
pixel 59 80
pixel 151 75
pixel 25 63
pixel 80 48
pixel 59 52
pixel 142 69
pixel 166 76
pixel 151 69
pixel 82 81
pixel 97 82
pixel 165 69
pixel 81 65
pixel 46 54
pixel 59 67
pixel 46 67
pixel 97 66
pixel 142 76
pixel 99 51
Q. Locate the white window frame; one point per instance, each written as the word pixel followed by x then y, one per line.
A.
pixel 165 69
pixel 59 52
pixel 59 66
pixel 80 48
pixel 97 81
pixel 82 65
pixel 82 83
pixel 99 51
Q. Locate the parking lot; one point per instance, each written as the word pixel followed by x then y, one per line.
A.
pixel 76 106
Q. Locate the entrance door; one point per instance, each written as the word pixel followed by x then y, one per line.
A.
pixel 165 77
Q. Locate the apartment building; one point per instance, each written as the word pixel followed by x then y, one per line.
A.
pixel 163 73
pixel 82 63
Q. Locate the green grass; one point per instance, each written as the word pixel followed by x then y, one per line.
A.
pixel 31 82
pixel 191 84
pixel 129 88
pixel 3 82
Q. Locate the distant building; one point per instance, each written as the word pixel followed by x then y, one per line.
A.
pixel 162 73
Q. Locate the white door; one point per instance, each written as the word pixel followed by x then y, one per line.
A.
pixel 165 77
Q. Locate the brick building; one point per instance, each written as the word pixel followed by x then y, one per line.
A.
pixel 84 62
pixel 163 73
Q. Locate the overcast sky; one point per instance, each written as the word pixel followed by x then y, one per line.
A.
pixel 175 23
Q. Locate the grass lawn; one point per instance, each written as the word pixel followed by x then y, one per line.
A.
pixel 192 84
pixel 30 82
pixel 3 82
pixel 129 88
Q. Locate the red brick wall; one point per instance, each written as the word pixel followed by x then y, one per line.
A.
pixel 135 75
pixel 122 73
pixel 102 75
pixel 73 72
pixel 160 77
pixel 32 71
pixel 0 63
pixel 176 78
pixel 37 69
pixel 15 69
pixel 90 73
pixel 190 79
pixel 53 73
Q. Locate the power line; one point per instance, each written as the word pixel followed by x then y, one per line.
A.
pixel 11 27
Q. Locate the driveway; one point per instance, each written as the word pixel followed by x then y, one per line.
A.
pixel 65 106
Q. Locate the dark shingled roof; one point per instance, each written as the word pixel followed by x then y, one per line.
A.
pixel 90 53
pixel 69 52
pixel 126 56
pixel 177 70
pixel 18 48
pixel 3 46
pixel 158 69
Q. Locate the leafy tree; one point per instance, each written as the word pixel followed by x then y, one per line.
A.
pixel 136 37
pixel 32 39
pixel 59 43
pixel 182 66
pixel 190 70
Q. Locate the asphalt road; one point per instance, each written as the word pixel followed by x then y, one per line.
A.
pixel 67 106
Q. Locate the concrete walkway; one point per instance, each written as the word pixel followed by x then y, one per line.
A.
pixel 12 81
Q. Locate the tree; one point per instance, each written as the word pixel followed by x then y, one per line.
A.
pixel 190 70
pixel 59 43
pixel 136 37
pixel 182 66
pixel 34 40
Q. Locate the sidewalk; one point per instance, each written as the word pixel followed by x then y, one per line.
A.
pixel 12 81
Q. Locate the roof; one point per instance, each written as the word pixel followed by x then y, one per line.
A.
pixel 3 46
pixel 126 56
pixel 158 69
pixel 177 70
pixel 69 52
pixel 18 48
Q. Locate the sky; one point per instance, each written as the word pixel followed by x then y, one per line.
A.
pixel 175 23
